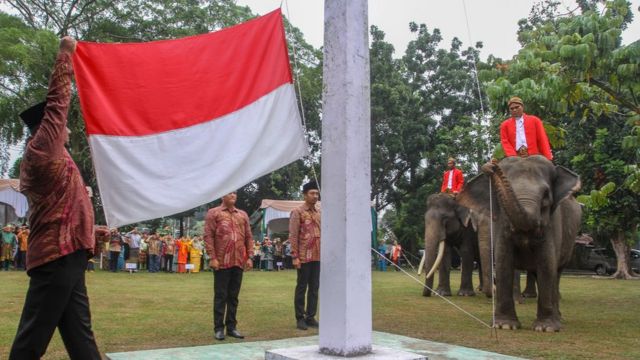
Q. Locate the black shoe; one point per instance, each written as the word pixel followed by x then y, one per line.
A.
pixel 302 325
pixel 235 333
pixel 311 322
pixel 219 335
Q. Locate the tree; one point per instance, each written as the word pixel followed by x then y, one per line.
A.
pixel 425 108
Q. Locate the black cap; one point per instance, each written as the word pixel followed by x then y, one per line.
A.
pixel 33 115
pixel 311 185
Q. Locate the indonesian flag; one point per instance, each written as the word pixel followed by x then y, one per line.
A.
pixel 178 123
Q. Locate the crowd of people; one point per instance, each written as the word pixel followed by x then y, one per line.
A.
pixel 162 252
pixel 13 252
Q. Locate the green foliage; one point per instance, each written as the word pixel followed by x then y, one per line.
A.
pixel 14 173
pixel 574 72
pixel 424 109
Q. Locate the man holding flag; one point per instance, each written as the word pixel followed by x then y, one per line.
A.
pixel 62 236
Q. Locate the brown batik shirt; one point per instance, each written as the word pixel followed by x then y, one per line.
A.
pixel 61 214
pixel 228 236
pixel 304 233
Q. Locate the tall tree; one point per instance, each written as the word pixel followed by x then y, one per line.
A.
pixel 425 108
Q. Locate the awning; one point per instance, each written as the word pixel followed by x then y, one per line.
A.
pixel 10 195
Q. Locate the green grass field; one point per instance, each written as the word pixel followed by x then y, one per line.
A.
pixel 146 311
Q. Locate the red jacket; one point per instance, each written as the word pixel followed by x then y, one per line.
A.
pixel 537 141
pixel 456 183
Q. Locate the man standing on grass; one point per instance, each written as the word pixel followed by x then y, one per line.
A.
pixel 9 242
pixel 304 235
pixel 62 236
pixel 23 238
pixel 229 242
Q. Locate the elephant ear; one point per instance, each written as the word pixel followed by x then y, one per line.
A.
pixel 466 216
pixel 475 195
pixel 565 183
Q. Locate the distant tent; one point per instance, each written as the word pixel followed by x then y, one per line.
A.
pixel 10 196
pixel 273 217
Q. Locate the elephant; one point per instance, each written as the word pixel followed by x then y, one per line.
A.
pixel 448 225
pixel 535 220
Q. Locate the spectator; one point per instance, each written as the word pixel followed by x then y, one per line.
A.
pixel 23 238
pixel 153 249
pixel 278 253
pixel 257 255
pixel 287 255
pixel 182 248
pixel 9 242
pixel 115 247
pixel 143 259
pixel 267 254
pixel 396 253
pixel 134 239
pixel 195 253
pixel 169 247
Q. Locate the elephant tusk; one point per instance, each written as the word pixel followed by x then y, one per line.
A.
pixel 438 260
pixel 424 258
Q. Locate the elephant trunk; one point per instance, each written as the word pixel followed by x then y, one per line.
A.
pixel 517 215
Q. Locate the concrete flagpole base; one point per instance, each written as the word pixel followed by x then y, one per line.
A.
pixel 313 353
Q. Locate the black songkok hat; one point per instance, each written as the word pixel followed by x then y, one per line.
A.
pixel 33 115
pixel 311 185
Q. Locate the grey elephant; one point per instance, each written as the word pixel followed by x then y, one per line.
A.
pixel 448 225
pixel 535 221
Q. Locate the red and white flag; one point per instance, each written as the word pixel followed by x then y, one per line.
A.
pixel 178 123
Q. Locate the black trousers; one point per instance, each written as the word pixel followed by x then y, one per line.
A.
pixel 21 260
pixel 57 297
pixel 168 263
pixel 308 283
pixel 113 260
pixel 226 286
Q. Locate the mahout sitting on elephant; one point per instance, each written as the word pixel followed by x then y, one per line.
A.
pixel 535 221
pixel 448 225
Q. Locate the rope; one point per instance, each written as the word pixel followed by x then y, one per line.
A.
pixel 475 73
pixel 484 119
pixel 295 75
pixel 304 124
pixel 430 289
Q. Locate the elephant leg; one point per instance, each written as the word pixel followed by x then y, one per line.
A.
pixel 548 316
pixel 530 290
pixel 466 280
pixel 444 287
pixel 484 249
pixel 505 316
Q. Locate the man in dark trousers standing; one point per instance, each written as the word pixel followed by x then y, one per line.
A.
pixel 229 242
pixel 61 219
pixel 304 235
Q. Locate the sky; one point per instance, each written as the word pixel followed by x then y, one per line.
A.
pixel 494 22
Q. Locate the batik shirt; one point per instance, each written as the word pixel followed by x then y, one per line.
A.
pixel 61 214
pixel 304 233
pixel 228 236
